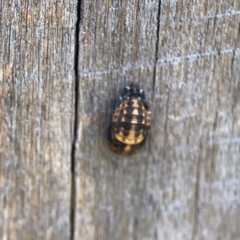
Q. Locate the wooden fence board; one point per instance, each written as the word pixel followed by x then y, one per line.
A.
pixel 36 118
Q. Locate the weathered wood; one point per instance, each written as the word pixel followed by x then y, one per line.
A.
pixel 36 118
pixel 185 182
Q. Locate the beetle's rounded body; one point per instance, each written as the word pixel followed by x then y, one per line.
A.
pixel 130 122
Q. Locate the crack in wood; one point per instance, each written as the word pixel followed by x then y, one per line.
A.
pixel 73 156
pixel 156 51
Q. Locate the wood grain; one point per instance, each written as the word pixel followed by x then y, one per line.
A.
pixel 36 118
pixel 185 182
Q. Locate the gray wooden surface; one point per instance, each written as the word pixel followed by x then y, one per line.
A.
pixel 36 118
pixel 184 183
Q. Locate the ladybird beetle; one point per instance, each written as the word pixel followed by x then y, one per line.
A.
pixel 130 122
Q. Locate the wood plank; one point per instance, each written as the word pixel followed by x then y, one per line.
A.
pixel 116 46
pixel 184 184
pixel 36 118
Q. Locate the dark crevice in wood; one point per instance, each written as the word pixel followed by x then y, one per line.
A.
pixel 197 189
pixel 214 146
pixel 232 61
pixel 73 155
pixel 156 51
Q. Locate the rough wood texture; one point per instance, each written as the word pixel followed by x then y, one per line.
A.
pixel 185 182
pixel 36 118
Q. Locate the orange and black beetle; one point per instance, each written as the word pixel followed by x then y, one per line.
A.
pixel 130 122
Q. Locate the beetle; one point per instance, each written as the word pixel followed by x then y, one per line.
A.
pixel 130 122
